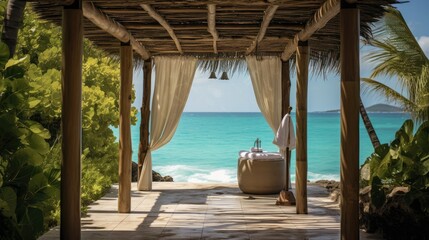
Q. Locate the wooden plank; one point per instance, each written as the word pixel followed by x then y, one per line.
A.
pixel 145 114
pixel 124 195
pixel 326 12
pixel 268 16
pixel 115 29
pixel 211 22
pixel 71 117
pixel 302 61
pixel 350 95
pixel 163 23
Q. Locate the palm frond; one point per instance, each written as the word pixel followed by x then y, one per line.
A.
pixel 370 86
pixel 396 48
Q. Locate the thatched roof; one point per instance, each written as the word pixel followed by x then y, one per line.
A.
pixel 216 28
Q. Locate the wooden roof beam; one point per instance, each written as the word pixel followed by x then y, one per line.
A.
pixel 163 23
pixel 328 10
pixel 268 16
pixel 112 27
pixel 211 22
pixel 62 2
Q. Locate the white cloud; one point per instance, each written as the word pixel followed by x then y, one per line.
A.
pixel 424 43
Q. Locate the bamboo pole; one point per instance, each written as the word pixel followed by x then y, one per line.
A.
pixel 285 109
pixel 350 92
pixel 155 15
pixel 145 114
pixel 124 197
pixel 326 12
pixel 211 22
pixel 71 117
pixel 302 60
pixel 101 20
pixel 268 16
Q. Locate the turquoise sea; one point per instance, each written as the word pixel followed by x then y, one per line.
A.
pixel 206 145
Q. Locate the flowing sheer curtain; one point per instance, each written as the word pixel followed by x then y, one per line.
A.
pixel 266 80
pixel 173 81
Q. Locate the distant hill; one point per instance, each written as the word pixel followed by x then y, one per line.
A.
pixel 383 108
pixel 378 108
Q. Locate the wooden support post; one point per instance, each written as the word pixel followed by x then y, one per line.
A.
pixel 285 109
pixel 124 197
pixel 350 92
pixel 71 117
pixel 286 197
pixel 145 113
pixel 302 60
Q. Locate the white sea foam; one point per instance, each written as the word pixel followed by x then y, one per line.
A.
pixel 221 175
pixel 185 173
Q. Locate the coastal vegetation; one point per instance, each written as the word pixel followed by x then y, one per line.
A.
pixel 394 195
pixel 395 185
pixel 30 122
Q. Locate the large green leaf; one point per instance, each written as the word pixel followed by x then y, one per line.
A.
pixel 32 103
pixel 4 54
pixel 38 129
pixel 14 62
pixel 28 155
pixel 38 144
pixel 8 195
pixel 382 150
pixel 378 196
pixel 31 223
pixel 405 133
pixel 421 137
pixel 425 168
pixel 37 189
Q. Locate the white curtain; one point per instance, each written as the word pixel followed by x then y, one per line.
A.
pixel 173 81
pixel 266 80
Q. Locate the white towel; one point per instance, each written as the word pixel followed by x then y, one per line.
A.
pixel 261 155
pixel 285 137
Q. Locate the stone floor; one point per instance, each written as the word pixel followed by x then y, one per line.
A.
pixel 209 211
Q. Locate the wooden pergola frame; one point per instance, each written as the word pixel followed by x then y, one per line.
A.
pixel 72 22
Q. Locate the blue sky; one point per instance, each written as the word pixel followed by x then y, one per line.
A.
pixel 236 95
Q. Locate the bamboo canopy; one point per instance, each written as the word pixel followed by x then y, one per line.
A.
pixel 217 28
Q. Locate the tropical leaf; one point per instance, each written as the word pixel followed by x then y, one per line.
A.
pixel 378 196
pixel 14 62
pixel 4 54
pixel 7 201
pixel 405 133
pixel 371 86
pixel 31 223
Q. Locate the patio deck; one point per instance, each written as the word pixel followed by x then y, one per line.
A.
pixel 209 211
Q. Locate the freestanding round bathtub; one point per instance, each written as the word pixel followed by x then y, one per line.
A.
pixel 261 175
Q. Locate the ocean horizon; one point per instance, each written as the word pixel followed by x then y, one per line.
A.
pixel 206 144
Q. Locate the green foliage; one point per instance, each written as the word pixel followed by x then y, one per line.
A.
pixel 405 162
pixel 25 186
pixel 398 55
pixel 30 132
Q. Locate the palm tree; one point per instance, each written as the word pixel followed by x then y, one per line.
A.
pixel 368 125
pixel 13 18
pixel 398 55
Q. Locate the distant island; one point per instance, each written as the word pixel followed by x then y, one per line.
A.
pixel 379 108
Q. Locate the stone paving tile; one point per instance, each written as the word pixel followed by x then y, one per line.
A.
pixel 209 211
